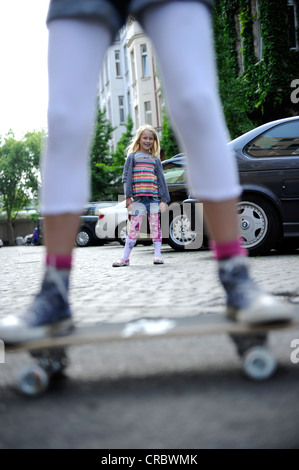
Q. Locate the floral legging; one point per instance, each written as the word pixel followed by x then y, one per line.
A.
pixel 154 223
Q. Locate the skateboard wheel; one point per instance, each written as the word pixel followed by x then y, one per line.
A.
pixel 258 363
pixel 33 381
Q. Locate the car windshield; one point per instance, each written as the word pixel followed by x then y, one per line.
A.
pixel 91 209
pixel 281 140
pixel 174 174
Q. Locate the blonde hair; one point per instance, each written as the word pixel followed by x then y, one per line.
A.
pixel 134 144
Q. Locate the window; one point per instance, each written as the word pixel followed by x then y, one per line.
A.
pixel 126 60
pixel 133 66
pixel 281 140
pixel 136 117
pixel 292 22
pixel 174 174
pixel 121 109
pixel 259 44
pixel 117 63
pixel 148 112
pixel 129 104
pixel 106 69
pixel 144 58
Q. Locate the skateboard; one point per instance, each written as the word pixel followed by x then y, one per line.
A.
pixel 51 353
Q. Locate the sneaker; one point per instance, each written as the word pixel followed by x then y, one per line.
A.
pixel 48 315
pixel 121 262
pixel 246 302
pixel 158 260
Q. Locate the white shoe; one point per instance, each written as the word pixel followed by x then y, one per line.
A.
pixel 121 262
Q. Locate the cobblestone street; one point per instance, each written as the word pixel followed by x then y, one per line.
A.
pixel 185 285
pixel 179 393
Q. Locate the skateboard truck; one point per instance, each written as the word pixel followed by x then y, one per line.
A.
pixel 34 379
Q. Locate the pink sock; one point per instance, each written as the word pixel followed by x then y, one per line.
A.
pixel 59 261
pixel 224 250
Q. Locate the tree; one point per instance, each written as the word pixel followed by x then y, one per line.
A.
pixel 19 173
pixel 168 140
pixel 100 160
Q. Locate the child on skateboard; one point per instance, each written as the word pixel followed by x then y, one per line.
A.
pixel 79 34
pixel 145 190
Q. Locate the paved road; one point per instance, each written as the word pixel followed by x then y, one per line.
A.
pixel 172 393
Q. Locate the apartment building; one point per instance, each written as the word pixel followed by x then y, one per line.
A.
pixel 115 86
pixel 129 83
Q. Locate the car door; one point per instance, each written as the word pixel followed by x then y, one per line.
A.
pixel 272 163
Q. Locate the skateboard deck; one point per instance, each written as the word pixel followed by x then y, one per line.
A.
pixel 250 342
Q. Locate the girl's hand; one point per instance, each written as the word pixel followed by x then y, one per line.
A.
pixel 129 203
pixel 163 206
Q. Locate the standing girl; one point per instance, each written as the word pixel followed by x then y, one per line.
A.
pixel 145 190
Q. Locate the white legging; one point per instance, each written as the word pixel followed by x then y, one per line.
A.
pixel 181 34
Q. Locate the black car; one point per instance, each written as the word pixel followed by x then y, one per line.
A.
pixel 268 163
pixel 86 235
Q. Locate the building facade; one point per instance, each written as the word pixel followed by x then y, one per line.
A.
pixel 129 83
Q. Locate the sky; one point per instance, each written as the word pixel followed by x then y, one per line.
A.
pixel 23 66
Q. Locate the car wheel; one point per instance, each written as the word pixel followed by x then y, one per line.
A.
pixel 181 237
pixel 259 225
pixel 121 233
pixel 83 238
